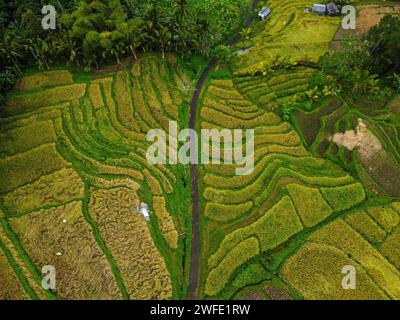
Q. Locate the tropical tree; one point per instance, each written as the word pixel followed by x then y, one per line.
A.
pixel 135 36
pixel 224 53
pixel 385 45
pixel 181 8
pixel 364 82
pixel 164 37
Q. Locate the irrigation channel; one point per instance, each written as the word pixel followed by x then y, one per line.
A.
pixel 196 233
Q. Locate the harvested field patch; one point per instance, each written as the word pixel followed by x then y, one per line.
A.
pixel 277 293
pixel 82 270
pixel 252 295
pixel 384 170
pixel 363 138
pixel 129 240
pixel 309 122
pixel 371 15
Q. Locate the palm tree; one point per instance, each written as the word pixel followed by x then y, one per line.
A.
pixel 181 8
pixel 203 32
pixel 164 38
pixel 135 35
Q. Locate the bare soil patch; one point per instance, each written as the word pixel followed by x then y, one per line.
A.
pixel 277 293
pixel 363 138
pixel 379 165
pixel 367 17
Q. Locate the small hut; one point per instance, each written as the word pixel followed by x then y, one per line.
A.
pixel 264 12
pixel 319 8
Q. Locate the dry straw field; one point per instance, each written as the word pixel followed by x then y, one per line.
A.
pixel 72 173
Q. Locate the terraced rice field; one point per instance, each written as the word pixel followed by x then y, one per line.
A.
pixel 363 239
pixel 375 158
pixel 323 194
pixel 289 31
pixel 289 191
pixel 280 221
pixel 301 215
pixel 271 90
pixel 73 170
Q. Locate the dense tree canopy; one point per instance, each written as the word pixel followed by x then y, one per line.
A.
pixel 360 61
pixel 91 33
pixel 385 45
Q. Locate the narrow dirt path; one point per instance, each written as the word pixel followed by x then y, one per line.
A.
pixel 195 243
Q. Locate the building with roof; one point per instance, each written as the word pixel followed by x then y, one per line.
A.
pixel 264 12
pixel 319 8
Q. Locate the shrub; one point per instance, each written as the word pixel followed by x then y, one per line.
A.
pixel 224 53
pixel 396 82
